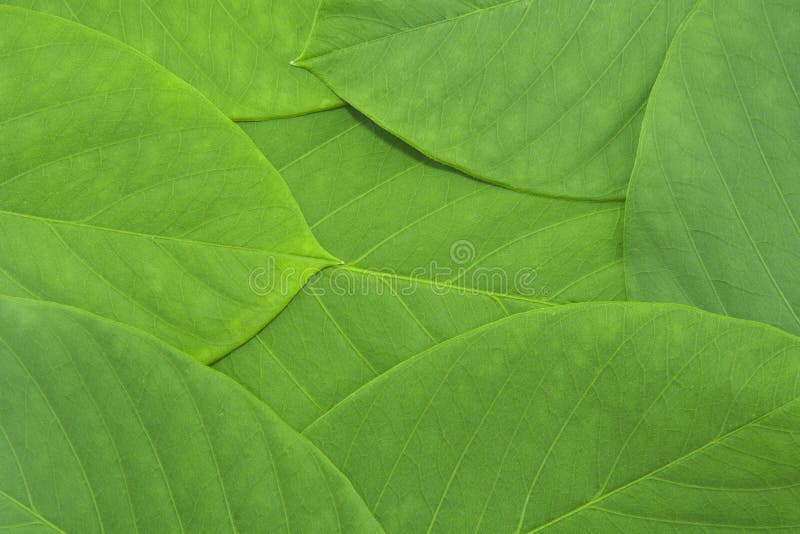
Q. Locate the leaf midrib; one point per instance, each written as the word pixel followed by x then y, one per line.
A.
pixel 442 285
pixel 678 460
pixel 51 221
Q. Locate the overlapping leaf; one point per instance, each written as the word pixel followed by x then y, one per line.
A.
pixel 444 386
pixel 124 192
pixel 715 198
pixel 131 436
pixel 583 418
pixel 236 52
pixel 429 253
pixel 538 95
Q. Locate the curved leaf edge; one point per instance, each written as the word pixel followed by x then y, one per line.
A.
pixel 646 126
pixel 655 308
pixel 557 309
pixel 189 361
pixel 460 168
pixel 192 90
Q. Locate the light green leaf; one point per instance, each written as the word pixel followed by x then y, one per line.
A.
pixel 429 253
pixel 583 418
pixel 103 428
pixel 538 95
pixel 124 192
pixel 715 198
pixel 236 52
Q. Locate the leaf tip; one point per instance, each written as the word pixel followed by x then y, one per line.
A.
pixel 299 62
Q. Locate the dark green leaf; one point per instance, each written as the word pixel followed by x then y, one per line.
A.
pixel 715 198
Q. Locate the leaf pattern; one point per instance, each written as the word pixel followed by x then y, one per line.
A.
pixel 407 314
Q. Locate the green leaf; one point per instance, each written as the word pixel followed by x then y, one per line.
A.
pixel 715 200
pixel 130 435
pixel 583 418
pixel 537 95
pixel 236 52
pixel 429 253
pixel 124 192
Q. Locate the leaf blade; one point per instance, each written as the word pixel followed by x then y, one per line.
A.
pixel 236 53
pixel 502 121
pixel 428 254
pixel 162 449
pixel 726 182
pixel 148 206
pixel 574 435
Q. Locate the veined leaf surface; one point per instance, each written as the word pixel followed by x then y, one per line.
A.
pixel 429 253
pixel 103 428
pixel 715 198
pixel 124 192
pixel 543 96
pixel 236 52
pixel 583 418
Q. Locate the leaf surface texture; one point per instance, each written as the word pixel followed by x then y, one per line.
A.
pixel 236 52
pixel 429 253
pixel 124 192
pixel 130 435
pixel 712 218
pixel 583 418
pixel 537 95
